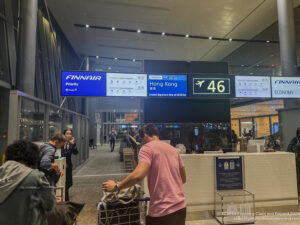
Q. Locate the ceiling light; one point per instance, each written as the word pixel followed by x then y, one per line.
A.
pixel 87 26
pixel 97 57
pixel 210 38
pixel 109 68
pixel 187 35
pixel 242 65
pixel 230 39
pixel 163 33
pixel 133 60
pixel 116 58
pixel 113 28
pixel 268 41
pixel 139 31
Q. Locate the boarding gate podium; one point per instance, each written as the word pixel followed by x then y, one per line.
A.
pixel 233 204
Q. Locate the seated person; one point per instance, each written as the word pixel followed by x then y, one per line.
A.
pixel 25 192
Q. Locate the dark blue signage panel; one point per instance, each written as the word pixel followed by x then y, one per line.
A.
pixel 211 86
pixel 229 173
pixel 160 85
pixel 82 83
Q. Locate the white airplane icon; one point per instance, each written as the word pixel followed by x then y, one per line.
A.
pixel 199 83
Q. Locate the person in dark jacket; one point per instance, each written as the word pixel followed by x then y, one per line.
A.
pixel 47 154
pixel 25 194
pixel 68 149
pixel 294 146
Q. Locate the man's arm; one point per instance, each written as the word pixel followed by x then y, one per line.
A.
pixel 136 176
pixel 183 175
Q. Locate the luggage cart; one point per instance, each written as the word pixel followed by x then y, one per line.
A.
pixel 116 213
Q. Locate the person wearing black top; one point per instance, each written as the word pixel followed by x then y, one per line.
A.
pixel 67 150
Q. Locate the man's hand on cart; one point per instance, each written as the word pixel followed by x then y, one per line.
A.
pixel 109 186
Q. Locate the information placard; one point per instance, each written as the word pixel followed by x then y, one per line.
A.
pixel 229 173
pixel 211 86
pixel 252 87
pixel 160 85
pixel 126 84
pixel 82 83
pixel 286 87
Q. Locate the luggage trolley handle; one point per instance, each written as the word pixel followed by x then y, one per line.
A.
pixel 147 199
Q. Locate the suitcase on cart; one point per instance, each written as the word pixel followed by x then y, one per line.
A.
pixel 117 213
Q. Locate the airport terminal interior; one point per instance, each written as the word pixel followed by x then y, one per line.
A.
pixel 220 80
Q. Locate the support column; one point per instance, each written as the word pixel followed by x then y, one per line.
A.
pixel 87 63
pixel 286 25
pixel 287 41
pixel 27 46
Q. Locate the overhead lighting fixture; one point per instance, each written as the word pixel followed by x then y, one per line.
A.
pixel 97 57
pixel 116 58
pixel 133 60
pixel 109 68
pixel 178 35
pixel 243 65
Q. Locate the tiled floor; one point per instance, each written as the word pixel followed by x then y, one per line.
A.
pixel 104 165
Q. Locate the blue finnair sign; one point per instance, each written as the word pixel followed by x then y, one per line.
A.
pixel 82 83
pixel 285 87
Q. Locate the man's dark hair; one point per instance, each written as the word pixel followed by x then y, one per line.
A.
pixel 65 131
pixel 151 130
pixel 59 137
pixel 23 152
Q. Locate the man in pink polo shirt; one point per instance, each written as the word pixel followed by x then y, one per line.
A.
pixel 166 176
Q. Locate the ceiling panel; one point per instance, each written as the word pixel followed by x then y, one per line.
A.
pixel 218 18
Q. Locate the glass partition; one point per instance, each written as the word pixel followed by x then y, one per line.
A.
pixel 55 122
pixel 35 120
pixel 32 120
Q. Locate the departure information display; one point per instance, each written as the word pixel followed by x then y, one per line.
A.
pixel 211 86
pixel 126 84
pixel 286 87
pixel 252 87
pixel 82 83
pixel 160 85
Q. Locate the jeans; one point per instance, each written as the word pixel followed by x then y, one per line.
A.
pixel 175 218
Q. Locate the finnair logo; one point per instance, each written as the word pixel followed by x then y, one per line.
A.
pixel 81 77
pixel 287 81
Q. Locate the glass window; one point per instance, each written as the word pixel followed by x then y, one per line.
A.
pixel 235 126
pixel 274 124
pixel 31 120
pixel 55 122
pixel 247 127
pixel 4 66
pixel 262 127
pixel 2 7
